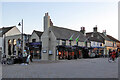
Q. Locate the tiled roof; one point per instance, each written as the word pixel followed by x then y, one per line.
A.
pixel 95 39
pixel 112 38
pixel 101 34
pixel 105 37
pixel 89 34
pixel 64 33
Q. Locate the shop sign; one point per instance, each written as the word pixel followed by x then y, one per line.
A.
pixel 50 52
pixel 95 44
pixel 36 43
pixel 44 51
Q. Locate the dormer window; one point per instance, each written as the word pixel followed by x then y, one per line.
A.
pixel 63 42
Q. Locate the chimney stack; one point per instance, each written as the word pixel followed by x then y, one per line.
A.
pixel 46 21
pixel 95 29
pixel 82 30
pixel 51 23
pixel 104 32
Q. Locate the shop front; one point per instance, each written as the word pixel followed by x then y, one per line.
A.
pixel 35 50
pixel 62 52
pixel 98 51
pixel 69 52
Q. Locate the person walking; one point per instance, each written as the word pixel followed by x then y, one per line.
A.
pixel 28 59
pixel 24 56
pixel 20 57
pixel 116 54
pixel 110 53
pixel 113 55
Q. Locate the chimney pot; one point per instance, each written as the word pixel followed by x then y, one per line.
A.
pixel 83 28
pixel 95 29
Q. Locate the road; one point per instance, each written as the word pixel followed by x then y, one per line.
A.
pixel 80 68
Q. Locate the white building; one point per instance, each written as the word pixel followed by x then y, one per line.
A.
pixel 5 32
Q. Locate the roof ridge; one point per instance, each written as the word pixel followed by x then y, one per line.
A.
pixel 113 39
pixel 37 31
pixel 65 33
pixel 9 27
pixel 65 28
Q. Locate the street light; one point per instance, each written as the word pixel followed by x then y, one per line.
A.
pixel 21 24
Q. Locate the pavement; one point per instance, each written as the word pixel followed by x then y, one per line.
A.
pixel 80 68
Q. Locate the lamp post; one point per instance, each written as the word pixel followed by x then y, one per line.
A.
pixel 21 24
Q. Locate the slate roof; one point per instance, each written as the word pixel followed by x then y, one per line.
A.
pixel 95 39
pixel 39 33
pixel 64 33
pixel 101 34
pixel 105 37
pixel 89 34
pixel 5 29
pixel 112 38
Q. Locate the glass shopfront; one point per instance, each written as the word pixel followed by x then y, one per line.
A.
pixel 35 50
pixel 69 52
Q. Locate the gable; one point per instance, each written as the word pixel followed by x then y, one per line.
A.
pixel 34 36
pixel 5 29
pixel 13 31
pixel 96 35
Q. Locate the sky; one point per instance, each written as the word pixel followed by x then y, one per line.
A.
pixel 72 15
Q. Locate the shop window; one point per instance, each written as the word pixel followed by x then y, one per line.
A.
pixel 63 42
pixel 70 43
pixel 85 44
pixel 76 43
pixel 58 42
pixel 101 44
pixel 37 51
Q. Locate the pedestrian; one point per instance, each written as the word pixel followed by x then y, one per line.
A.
pixel 110 52
pixel 31 58
pixel 116 54
pixel 28 59
pixel 3 59
pixel 20 57
pixel 113 55
pixel 24 56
